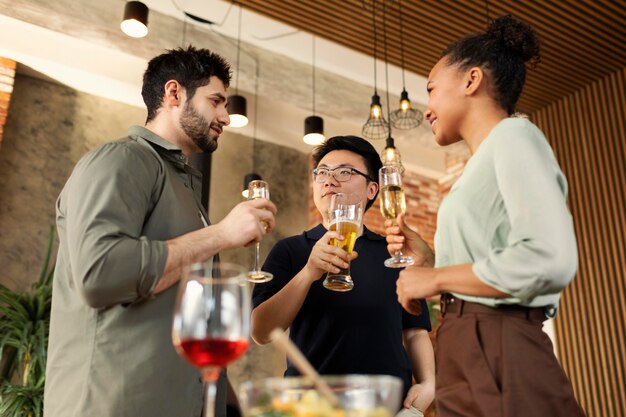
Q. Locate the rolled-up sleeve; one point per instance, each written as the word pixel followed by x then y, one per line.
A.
pixel 110 193
pixel 540 255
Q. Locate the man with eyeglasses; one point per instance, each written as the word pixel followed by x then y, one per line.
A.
pixel 362 331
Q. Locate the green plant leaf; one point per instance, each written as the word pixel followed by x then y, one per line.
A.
pixel 24 328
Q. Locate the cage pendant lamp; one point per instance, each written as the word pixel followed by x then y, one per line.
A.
pixel 405 117
pixel 313 125
pixel 376 127
pixel 135 19
pixel 237 105
pixel 390 156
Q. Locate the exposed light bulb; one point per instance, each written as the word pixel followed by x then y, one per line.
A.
pixel 375 111
pixel 237 120
pixel 314 139
pixel 405 105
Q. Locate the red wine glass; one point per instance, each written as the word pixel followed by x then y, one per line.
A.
pixel 211 326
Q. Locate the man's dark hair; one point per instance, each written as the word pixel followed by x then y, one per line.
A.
pixel 191 67
pixel 502 51
pixel 356 145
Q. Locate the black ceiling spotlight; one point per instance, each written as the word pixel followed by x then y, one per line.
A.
pixel 237 107
pixel 237 110
pixel 314 130
pixel 313 125
pixel 135 20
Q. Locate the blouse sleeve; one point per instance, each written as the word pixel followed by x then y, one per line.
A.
pixel 540 256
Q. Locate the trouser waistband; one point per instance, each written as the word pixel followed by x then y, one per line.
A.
pixel 451 304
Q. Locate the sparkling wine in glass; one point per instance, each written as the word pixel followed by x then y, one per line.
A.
pixel 211 325
pixel 258 189
pixel 345 216
pixel 392 204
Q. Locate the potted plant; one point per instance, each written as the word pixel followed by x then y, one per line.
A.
pixel 24 327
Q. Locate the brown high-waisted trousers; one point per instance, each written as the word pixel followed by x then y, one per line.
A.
pixel 497 362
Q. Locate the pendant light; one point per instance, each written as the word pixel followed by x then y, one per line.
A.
pixel 376 127
pixel 135 20
pixel 313 125
pixel 237 106
pixel 405 117
pixel 390 156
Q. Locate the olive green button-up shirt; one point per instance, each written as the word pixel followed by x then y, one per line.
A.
pixel 110 351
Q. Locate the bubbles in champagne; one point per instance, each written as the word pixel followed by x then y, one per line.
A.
pixel 392 202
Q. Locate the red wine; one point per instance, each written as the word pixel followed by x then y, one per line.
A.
pixel 212 352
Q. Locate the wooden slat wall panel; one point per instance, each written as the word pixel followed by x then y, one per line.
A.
pixel 588 133
pixel 582 40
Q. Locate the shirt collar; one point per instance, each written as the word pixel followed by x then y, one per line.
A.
pixel 153 138
pixel 318 231
pixel 164 148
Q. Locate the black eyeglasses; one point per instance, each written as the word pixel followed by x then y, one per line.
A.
pixel 341 174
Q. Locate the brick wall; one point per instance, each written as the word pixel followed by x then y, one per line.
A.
pixel 7 75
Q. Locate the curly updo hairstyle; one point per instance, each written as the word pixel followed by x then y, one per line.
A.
pixel 502 51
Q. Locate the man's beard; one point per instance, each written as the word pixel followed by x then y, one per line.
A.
pixel 198 129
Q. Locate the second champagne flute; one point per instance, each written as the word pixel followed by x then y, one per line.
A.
pixel 392 204
pixel 258 189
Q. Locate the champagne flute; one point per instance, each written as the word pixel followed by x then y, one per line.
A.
pixel 392 204
pixel 258 189
pixel 211 323
pixel 345 216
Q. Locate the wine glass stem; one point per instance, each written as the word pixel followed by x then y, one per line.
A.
pixel 209 377
pixel 257 257
pixel 397 254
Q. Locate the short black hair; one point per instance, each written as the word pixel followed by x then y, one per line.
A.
pixel 356 145
pixel 502 51
pixel 191 67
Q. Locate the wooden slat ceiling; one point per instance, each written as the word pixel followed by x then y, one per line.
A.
pixel 582 40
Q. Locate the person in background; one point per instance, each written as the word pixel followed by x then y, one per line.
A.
pixel 357 332
pixel 504 247
pixel 129 220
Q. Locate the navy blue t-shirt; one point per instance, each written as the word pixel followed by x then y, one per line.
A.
pixel 354 332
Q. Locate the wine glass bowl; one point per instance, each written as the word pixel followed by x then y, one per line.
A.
pixel 358 395
pixel 258 189
pixel 211 325
pixel 345 216
pixel 392 204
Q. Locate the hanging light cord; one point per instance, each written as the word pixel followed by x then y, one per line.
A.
pixel 313 49
pixel 256 112
pixel 374 24
pixel 386 63
pixel 401 43
pixel 238 49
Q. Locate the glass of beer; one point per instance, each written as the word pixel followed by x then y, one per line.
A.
pixel 346 216
pixel 258 189
pixel 392 204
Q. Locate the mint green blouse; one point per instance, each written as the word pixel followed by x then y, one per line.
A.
pixel 507 216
